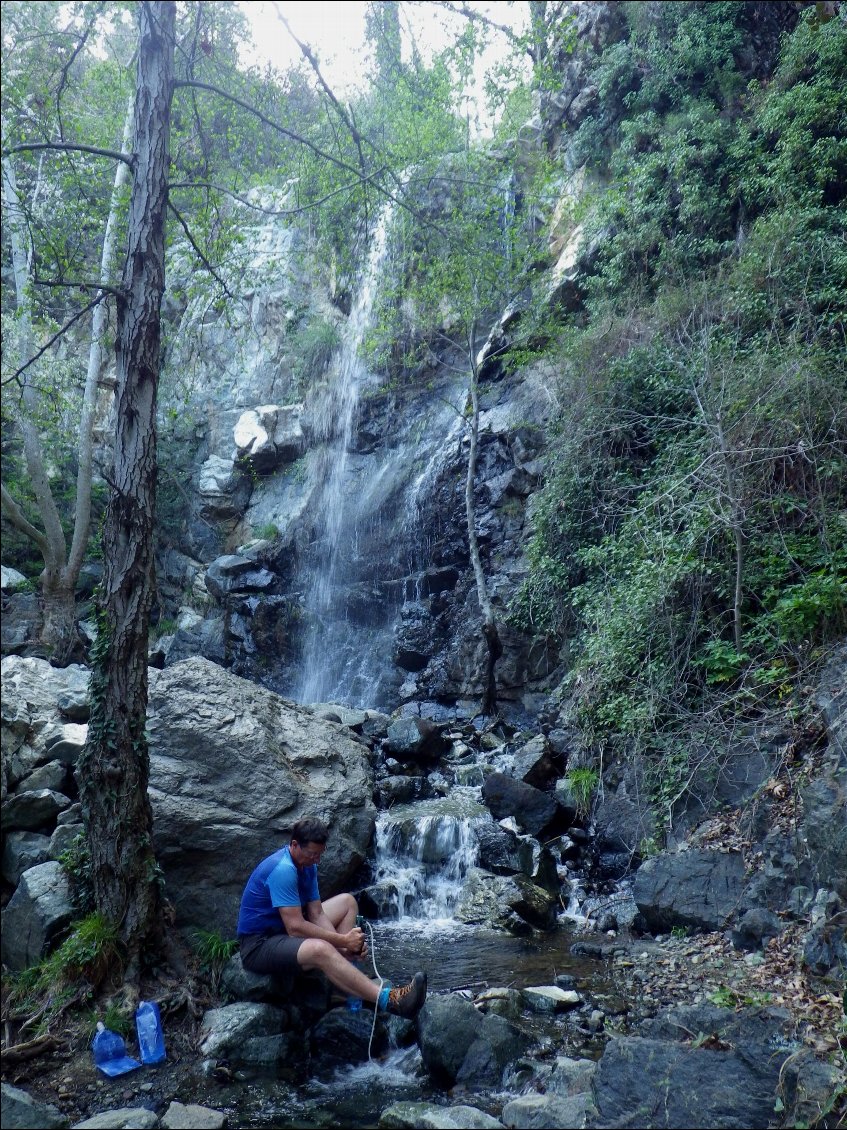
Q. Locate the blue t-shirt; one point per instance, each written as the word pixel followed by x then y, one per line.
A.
pixel 276 882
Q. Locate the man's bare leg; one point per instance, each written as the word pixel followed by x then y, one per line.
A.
pixel 341 910
pixel 317 954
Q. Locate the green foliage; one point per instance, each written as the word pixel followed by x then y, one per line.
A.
pixel 582 782
pixel 89 956
pixel 76 863
pixel 689 541
pixel 313 344
pixel 213 952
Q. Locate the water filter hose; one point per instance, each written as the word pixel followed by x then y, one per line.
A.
pixel 381 983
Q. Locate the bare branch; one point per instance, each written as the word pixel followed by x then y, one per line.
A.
pixel 337 161
pixel 106 291
pixel 14 515
pixel 277 211
pixel 63 81
pixel 200 254
pixel 66 147
pixel 474 16
pixel 310 58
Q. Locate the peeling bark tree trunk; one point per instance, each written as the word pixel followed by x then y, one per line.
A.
pixel 489 623
pixel 114 768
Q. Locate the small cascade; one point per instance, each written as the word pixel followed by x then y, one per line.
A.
pixel 423 854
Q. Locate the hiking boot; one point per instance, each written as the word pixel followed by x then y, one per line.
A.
pixel 407 1000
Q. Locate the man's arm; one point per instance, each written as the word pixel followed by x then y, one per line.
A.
pixel 317 925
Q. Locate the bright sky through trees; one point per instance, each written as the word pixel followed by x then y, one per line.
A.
pixel 336 31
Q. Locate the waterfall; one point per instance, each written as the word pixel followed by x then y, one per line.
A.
pixel 423 853
pixel 331 659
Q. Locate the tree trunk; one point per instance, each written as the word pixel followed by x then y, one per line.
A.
pixel 489 623
pixel 59 639
pixel 114 768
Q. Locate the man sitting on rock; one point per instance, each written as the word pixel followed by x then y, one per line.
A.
pixel 284 925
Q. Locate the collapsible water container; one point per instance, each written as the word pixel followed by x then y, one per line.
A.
pixel 110 1052
pixel 151 1038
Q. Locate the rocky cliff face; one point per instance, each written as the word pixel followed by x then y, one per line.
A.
pixel 253 541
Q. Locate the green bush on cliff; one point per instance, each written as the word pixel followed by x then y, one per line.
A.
pixel 690 538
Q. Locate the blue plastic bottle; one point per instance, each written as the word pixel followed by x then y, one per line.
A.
pixel 110 1052
pixel 151 1038
pixel 354 1004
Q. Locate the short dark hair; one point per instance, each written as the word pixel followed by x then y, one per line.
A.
pixel 310 830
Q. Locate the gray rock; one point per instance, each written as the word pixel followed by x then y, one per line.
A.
pixel 342 1037
pixel 506 853
pixel 550 998
pixel 647 1082
pixel 460 1044
pixel 124 1118
pixel 233 573
pixel 180 1116
pixel 242 985
pixel 52 775
pixel 549 1112
pixel 32 810
pixel 510 902
pixel 72 815
pixel 755 928
pixel 21 1111
pixel 701 889
pixel 534 810
pixel 35 687
pixel 239 1033
pixel 63 837
pixel 825 827
pixel 224 491
pixel 20 623
pixel 533 763
pixel 807 1087
pixel 11 579
pixel 415 739
pixel 428 1116
pixel 570 1076
pixel 38 910
pixel 68 743
pixel 623 819
pixel 825 947
pixel 232 767
pixel 270 435
pixel 21 851
pixel 831 699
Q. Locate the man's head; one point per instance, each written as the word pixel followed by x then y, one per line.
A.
pixel 308 840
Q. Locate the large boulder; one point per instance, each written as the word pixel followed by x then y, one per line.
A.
pixel 254 1037
pixel 534 810
pixel 459 1044
pixel 825 829
pixel 234 573
pixel 30 690
pixel 232 767
pixel 660 1081
pixel 699 889
pixel 270 435
pixel 20 1111
pixel 37 912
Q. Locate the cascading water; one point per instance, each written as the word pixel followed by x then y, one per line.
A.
pixel 330 659
pixel 423 853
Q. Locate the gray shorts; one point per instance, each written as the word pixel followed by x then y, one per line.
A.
pixel 269 953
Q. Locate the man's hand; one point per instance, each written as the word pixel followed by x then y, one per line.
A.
pixel 354 943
